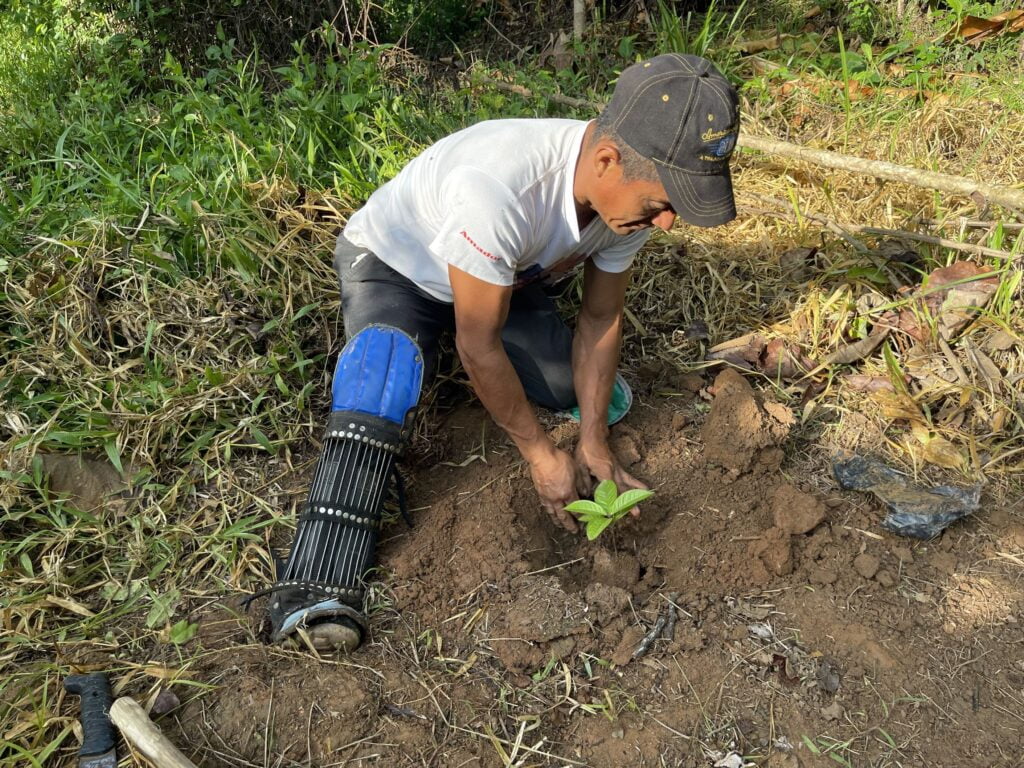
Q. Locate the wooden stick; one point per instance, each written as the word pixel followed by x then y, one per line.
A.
pixel 961 221
pixel 1007 197
pixel 954 245
pixel 944 182
pixel 143 734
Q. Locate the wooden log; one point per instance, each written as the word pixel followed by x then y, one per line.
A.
pixel 143 734
pixel 944 182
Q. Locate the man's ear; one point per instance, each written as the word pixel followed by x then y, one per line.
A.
pixel 606 158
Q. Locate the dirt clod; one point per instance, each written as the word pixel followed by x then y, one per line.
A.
pixel 866 565
pixel 796 512
pixel 904 555
pixel 833 711
pixel 775 550
pixel 741 424
pixel 885 578
pixel 89 483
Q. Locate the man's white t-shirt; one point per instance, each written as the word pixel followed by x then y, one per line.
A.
pixel 494 200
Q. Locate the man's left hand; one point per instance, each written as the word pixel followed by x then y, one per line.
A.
pixel 596 459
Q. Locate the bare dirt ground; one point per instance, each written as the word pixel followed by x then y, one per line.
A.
pixel 801 628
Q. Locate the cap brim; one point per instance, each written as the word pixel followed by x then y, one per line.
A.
pixel 705 201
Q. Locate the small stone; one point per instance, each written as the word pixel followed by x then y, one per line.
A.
pixel 834 503
pixel 828 675
pixel 165 702
pixel 886 579
pixel 618 733
pixel 866 565
pixel 679 420
pixel 833 711
pixel 949 627
pixel 822 575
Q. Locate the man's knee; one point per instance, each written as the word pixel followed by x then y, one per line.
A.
pixel 555 390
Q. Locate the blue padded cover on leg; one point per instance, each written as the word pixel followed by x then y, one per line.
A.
pixel 379 372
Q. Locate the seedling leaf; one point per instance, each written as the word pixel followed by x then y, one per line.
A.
pixel 630 499
pixel 594 527
pixel 585 507
pixel 605 493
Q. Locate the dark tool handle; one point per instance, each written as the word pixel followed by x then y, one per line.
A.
pixel 97 730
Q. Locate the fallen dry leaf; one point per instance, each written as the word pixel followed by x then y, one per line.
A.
pixel 862 382
pixel 942 453
pixel 1000 341
pixel 784 360
pixel 951 296
pixel 743 352
pixel 898 406
pixel 858 350
pixel 975 29
pixel 68 605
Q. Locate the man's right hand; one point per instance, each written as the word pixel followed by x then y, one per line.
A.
pixel 558 479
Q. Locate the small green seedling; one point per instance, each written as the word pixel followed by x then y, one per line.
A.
pixel 607 507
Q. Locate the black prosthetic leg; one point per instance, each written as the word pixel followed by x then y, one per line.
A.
pixel 320 589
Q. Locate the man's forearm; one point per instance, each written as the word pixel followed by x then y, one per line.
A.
pixel 595 357
pixel 499 389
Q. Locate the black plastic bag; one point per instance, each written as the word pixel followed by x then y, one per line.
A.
pixel 921 513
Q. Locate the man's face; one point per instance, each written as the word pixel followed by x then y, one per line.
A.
pixel 629 206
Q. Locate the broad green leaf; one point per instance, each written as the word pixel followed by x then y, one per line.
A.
pixel 594 527
pixel 630 499
pixel 585 506
pixel 182 632
pixel 586 517
pixel 162 608
pixel 605 493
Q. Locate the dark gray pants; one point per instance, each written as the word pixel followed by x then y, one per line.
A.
pixel 536 339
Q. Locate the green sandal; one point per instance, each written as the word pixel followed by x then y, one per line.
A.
pixel 622 401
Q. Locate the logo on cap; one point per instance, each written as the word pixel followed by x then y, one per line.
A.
pixel 725 146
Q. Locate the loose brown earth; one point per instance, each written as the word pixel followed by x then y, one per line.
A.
pixel 801 622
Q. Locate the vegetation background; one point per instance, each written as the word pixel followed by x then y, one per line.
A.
pixel 172 175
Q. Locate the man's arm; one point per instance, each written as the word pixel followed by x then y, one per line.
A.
pixel 595 358
pixel 480 312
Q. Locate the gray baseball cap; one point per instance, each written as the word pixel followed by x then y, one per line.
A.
pixel 681 112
